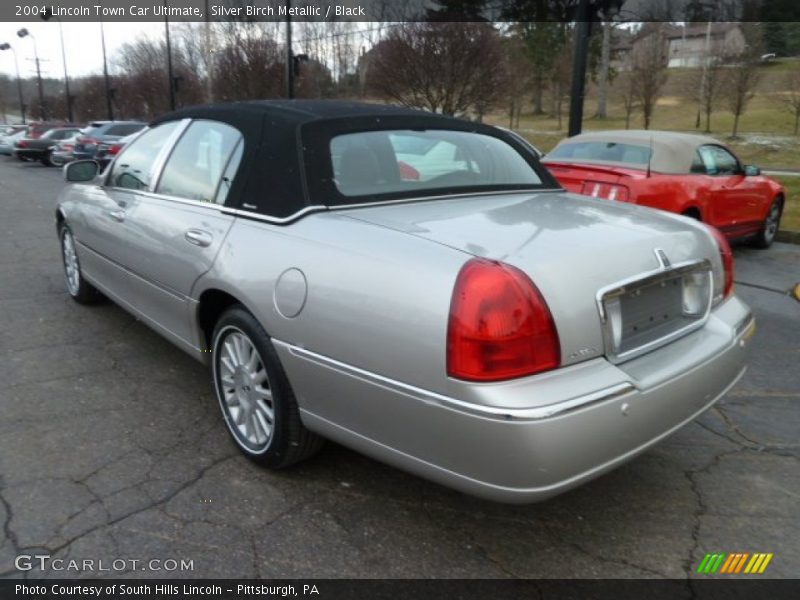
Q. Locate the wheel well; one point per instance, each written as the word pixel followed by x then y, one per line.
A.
pixel 782 200
pixel 212 304
pixel 692 212
pixel 59 217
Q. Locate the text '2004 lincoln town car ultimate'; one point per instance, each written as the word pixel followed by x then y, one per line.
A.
pixel 415 287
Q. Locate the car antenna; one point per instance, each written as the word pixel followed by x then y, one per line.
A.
pixel 650 156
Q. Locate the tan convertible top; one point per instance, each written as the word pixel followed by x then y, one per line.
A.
pixel 672 152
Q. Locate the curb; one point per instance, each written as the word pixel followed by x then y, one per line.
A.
pixel 788 237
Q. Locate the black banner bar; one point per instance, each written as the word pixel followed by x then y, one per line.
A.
pixel 400 589
pixel 395 10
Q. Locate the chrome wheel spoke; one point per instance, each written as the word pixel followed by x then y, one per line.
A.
pixel 265 411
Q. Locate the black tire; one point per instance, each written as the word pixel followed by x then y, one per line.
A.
pixel 287 440
pixel 78 288
pixel 772 223
pixel 46 161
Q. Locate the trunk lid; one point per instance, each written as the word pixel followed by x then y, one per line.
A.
pixel 570 246
pixel 573 176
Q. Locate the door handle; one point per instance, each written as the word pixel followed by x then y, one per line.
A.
pixel 117 215
pixel 198 237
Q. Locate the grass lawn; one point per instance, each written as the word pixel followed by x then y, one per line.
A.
pixel 765 135
pixel 791 210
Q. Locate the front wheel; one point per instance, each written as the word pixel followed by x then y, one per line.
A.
pixel 79 289
pixel 254 394
pixel 769 229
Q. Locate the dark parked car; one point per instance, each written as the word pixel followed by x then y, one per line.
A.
pixel 37 129
pixel 108 150
pixel 40 148
pixel 61 153
pixel 98 132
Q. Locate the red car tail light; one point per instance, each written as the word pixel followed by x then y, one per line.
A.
pixel 727 259
pixel 22 144
pixel 407 172
pixel 609 191
pixel 114 149
pixel 500 326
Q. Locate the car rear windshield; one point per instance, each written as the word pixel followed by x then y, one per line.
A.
pixel 392 162
pixel 631 154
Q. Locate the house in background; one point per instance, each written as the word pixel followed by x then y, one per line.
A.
pixel 690 45
pixel 685 45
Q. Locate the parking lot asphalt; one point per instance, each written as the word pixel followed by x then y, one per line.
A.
pixel 111 447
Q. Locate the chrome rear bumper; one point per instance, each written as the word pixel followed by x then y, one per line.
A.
pixel 528 453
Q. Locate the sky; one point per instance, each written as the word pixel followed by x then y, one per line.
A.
pixel 81 42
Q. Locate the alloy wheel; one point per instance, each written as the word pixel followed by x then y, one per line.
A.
pixel 244 390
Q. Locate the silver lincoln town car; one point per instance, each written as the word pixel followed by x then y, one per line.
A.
pixel 416 287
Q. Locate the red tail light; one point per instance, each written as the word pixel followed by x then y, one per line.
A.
pixel 22 144
pixel 727 259
pixel 609 191
pixel 407 172
pixel 113 149
pixel 500 326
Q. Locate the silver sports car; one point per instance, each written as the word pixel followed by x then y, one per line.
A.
pixel 416 287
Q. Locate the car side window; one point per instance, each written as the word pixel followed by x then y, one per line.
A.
pixel 719 161
pixel 195 167
pixel 698 164
pixel 134 168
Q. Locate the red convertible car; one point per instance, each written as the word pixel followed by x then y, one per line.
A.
pixel 693 175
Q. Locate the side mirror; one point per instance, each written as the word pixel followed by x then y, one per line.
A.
pixel 751 171
pixel 81 171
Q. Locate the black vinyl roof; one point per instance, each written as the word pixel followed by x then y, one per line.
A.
pixel 285 166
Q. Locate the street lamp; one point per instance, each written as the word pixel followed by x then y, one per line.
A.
pixel 105 74
pixel 7 46
pixel 170 75
pixel 46 16
pixel 25 33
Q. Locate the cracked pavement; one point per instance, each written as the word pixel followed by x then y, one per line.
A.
pixel 111 446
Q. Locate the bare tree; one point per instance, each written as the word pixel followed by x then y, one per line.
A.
pixel 791 99
pixel 446 67
pixel 518 68
pixel 141 84
pixel 249 65
pixel 604 73
pixel 739 86
pixel 628 95
pixel 649 71
pixel 560 81
pixel 741 79
pixel 704 85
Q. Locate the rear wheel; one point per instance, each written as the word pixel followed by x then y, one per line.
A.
pixel 254 394
pixel 769 229
pixel 47 160
pixel 79 289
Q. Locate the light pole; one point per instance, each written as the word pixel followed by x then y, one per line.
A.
pixel 46 16
pixel 25 33
pixel 6 46
pixel 169 63
pixel 289 57
pixel 109 107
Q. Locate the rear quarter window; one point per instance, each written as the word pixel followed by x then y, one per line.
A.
pixel 374 163
pixel 633 154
